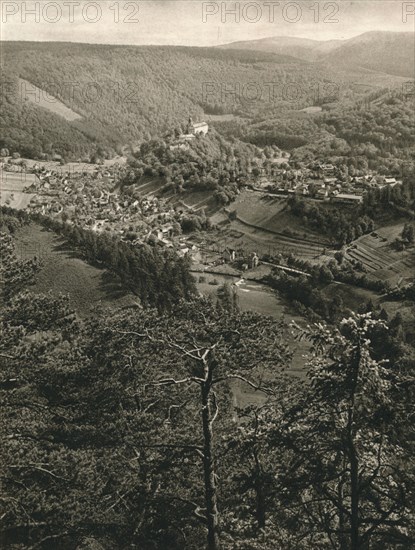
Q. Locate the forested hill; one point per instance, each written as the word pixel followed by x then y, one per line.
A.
pixel 99 98
pixel 388 52
pixel 379 133
pixel 209 163
pixel 122 95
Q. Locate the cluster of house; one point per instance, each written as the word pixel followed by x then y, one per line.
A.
pixel 326 182
pixel 90 200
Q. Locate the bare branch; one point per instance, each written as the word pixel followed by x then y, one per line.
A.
pixel 268 391
pixel 7 356
pixel 198 511
pixel 48 538
pixel 215 402
pixel 172 381
pixel 39 469
pixel 195 448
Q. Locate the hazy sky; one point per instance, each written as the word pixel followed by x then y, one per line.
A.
pixel 197 23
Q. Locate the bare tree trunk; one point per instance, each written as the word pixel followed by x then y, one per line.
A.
pixel 260 511
pixel 260 505
pixel 354 493
pixel 212 515
pixel 343 540
pixel 354 462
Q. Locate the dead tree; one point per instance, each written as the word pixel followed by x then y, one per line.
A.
pixel 206 364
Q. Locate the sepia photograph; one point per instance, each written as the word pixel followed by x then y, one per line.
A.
pixel 207 275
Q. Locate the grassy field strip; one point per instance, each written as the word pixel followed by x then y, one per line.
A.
pixel 15 181
pixel 260 242
pixel 369 264
pixel 373 255
pixel 288 239
pixel 270 212
pixel 15 199
pixel 148 187
pixel 385 255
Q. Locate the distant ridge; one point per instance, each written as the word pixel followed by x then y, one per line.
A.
pixel 302 48
pixel 382 51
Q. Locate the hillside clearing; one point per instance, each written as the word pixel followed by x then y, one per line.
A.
pixel 37 96
pixel 64 272
pixel 11 189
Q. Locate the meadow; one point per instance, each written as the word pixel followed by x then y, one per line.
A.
pixel 11 189
pixel 257 297
pixel 30 92
pixel 263 224
pixel 65 272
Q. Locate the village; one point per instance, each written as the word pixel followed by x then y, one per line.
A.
pixel 324 181
pixel 92 196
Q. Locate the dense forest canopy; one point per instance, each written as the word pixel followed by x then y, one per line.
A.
pixel 123 95
pixel 121 429
pixel 378 135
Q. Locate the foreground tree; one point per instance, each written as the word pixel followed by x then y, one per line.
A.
pixel 109 424
pixel 343 467
pixel 211 349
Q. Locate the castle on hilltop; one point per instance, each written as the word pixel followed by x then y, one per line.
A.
pixel 196 128
pixel 190 131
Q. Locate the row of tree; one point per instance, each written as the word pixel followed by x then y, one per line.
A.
pixel 157 276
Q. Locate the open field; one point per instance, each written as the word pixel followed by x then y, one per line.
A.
pixel 15 199
pixel 257 297
pixel 238 235
pixel 271 213
pixel 378 257
pixel 15 181
pixel 65 272
pixel 311 110
pixel 72 167
pixel 11 189
pixel 265 226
